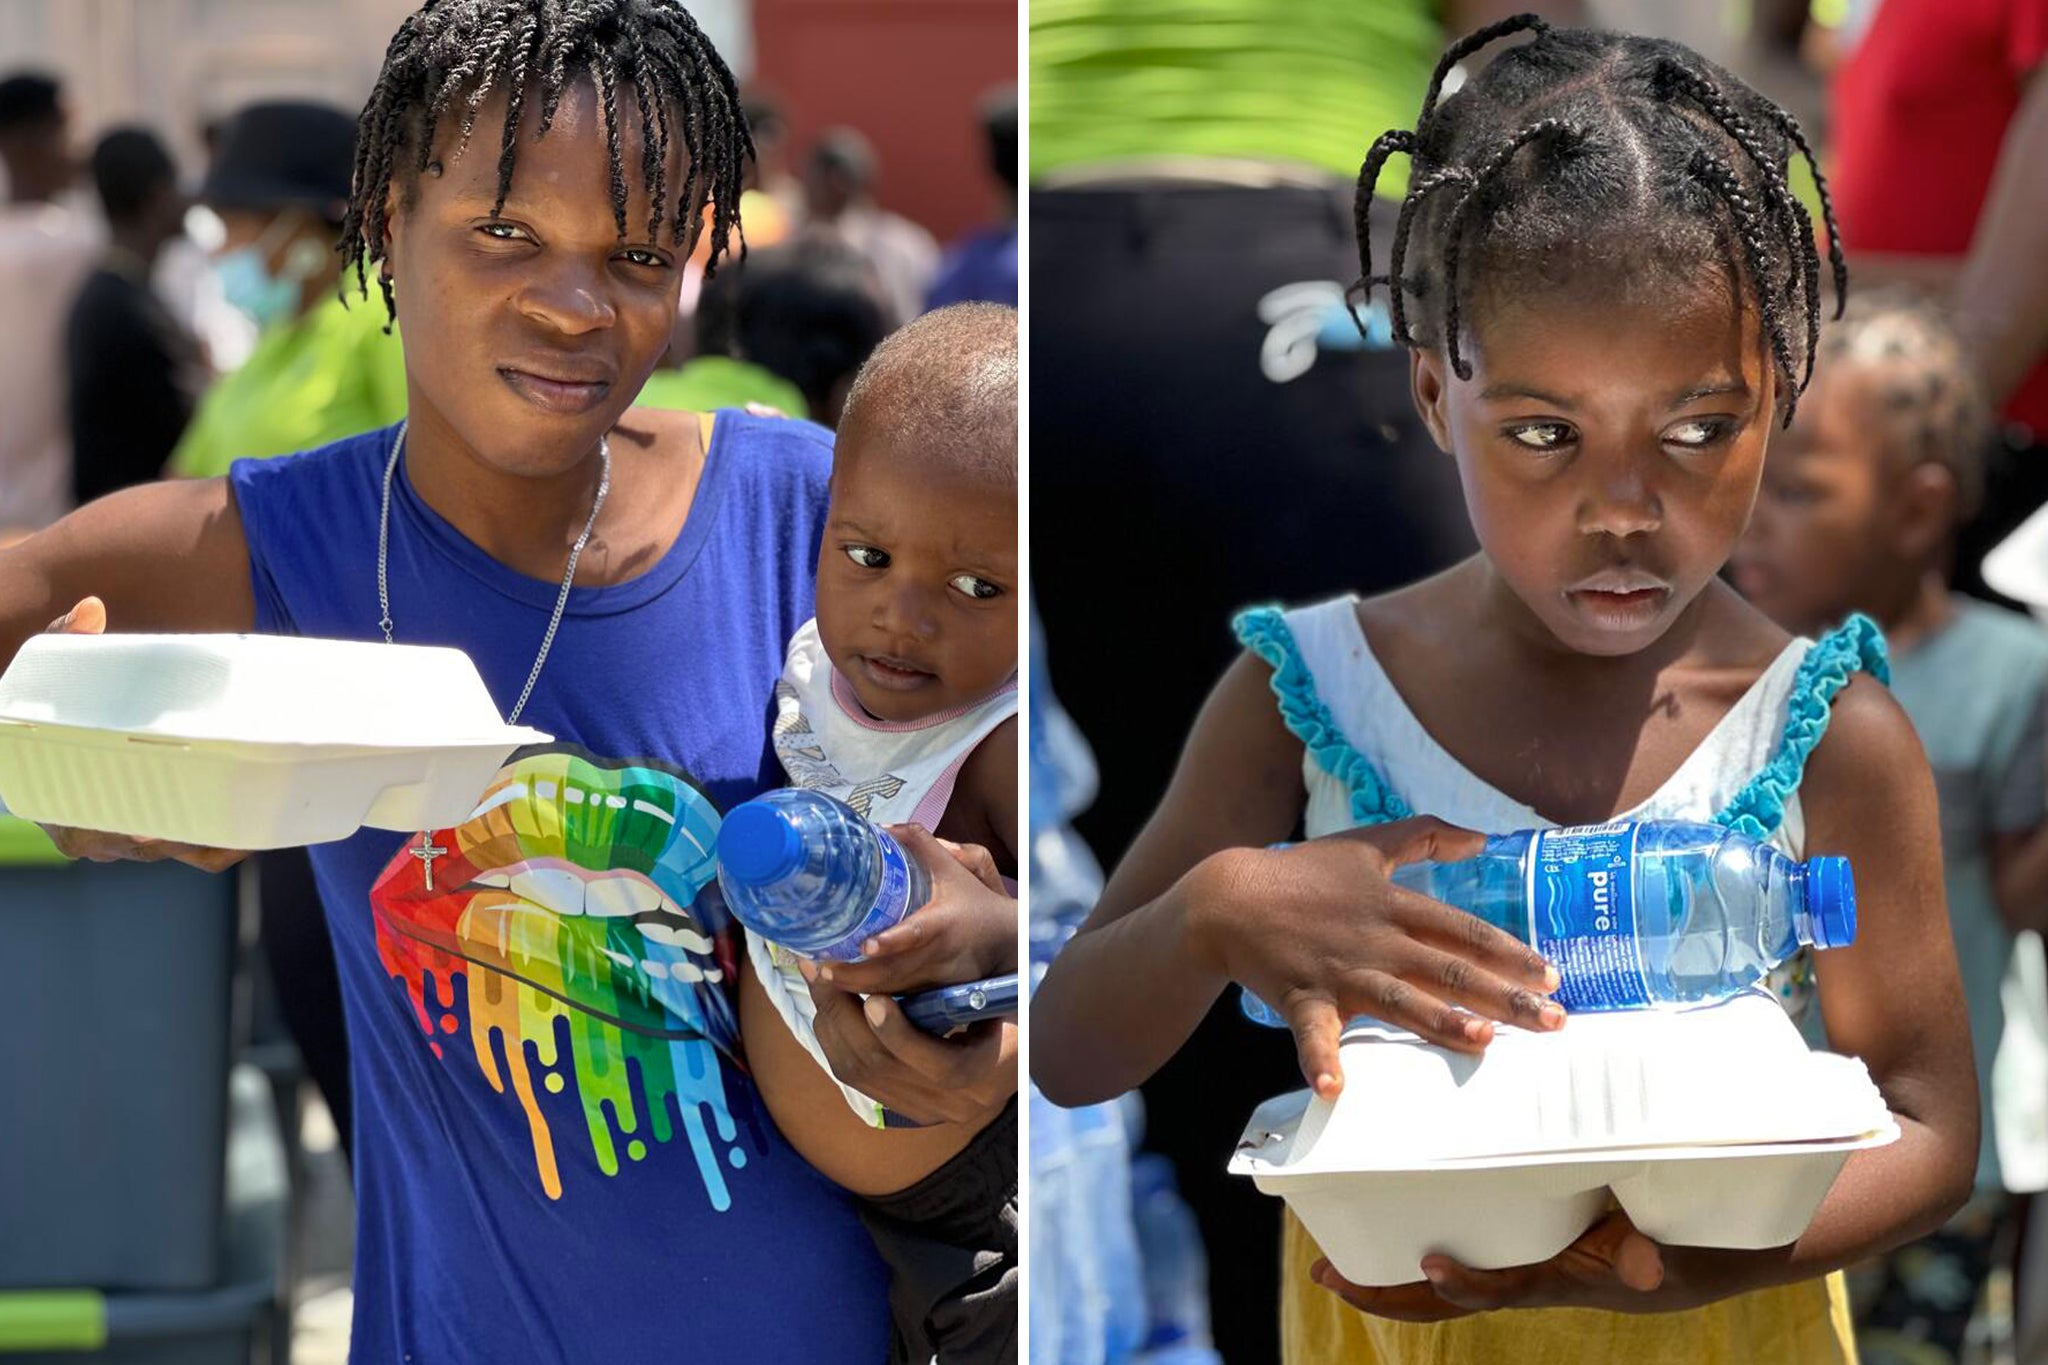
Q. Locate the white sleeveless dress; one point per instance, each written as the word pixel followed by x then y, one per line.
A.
pixel 1367 759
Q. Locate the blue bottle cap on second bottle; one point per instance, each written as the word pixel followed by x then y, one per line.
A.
pixel 757 845
pixel 1831 901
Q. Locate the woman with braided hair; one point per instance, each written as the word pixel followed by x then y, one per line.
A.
pixel 1610 299
pixel 560 1154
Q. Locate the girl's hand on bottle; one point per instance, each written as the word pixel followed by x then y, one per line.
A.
pixel 1611 1266
pixel 89 617
pixel 967 931
pixel 1319 932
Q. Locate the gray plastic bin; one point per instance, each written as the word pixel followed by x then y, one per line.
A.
pixel 216 1326
pixel 114 1048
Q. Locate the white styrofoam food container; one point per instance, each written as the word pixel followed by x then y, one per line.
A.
pixel 1504 1159
pixel 246 741
pixel 1630 1078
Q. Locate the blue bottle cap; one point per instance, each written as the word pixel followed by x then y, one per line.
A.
pixel 756 845
pixel 1831 901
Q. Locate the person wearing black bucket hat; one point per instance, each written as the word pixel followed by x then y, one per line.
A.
pixel 324 367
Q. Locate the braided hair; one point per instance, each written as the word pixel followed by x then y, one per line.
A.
pixel 450 55
pixel 1582 149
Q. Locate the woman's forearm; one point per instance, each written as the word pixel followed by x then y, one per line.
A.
pixel 1123 997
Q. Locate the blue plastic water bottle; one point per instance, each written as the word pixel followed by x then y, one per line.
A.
pixel 1661 912
pixel 803 870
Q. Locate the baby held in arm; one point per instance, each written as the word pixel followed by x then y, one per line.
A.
pixel 900 700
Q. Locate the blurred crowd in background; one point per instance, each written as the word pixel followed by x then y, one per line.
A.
pixel 174 301
pixel 1202 401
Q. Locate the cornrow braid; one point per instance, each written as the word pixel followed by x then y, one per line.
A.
pixel 1455 230
pixel 1383 146
pixel 450 56
pixel 1749 222
pixel 1471 43
pixel 1789 126
pixel 1675 79
pixel 1626 159
pixel 1418 192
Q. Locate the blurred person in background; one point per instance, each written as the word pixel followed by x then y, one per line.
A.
pixel 769 176
pixel 323 367
pixel 788 328
pixel 839 186
pixel 983 266
pixel 1938 159
pixel 771 211
pixel 46 249
pixel 716 373
pixel 1195 364
pixel 134 371
pixel 187 279
pixel 1861 503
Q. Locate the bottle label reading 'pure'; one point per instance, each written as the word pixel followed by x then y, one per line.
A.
pixel 892 903
pixel 1582 913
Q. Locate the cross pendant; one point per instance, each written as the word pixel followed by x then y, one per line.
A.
pixel 426 851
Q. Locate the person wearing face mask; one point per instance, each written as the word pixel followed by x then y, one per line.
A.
pixel 322 368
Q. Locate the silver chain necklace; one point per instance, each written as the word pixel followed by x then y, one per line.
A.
pixel 427 850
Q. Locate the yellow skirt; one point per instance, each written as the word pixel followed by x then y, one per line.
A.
pixel 1794 1324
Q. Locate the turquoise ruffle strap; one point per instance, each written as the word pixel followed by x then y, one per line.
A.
pixel 1263 630
pixel 1857 645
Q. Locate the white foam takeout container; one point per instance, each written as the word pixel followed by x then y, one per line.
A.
pixel 1713 1127
pixel 246 741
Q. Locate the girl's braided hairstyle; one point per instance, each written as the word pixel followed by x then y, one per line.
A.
pixel 1581 149
pixel 450 55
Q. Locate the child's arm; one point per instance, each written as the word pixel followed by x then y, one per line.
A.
pixel 812 1115
pixel 965 939
pixel 1892 998
pixel 986 798
pixel 955 939
pixel 954 1086
pixel 964 1079
pixel 1318 931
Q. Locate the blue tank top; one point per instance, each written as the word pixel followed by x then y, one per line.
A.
pixel 559 1154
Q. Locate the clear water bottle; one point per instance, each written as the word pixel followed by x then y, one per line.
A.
pixel 803 870
pixel 1661 912
pixel 1176 1268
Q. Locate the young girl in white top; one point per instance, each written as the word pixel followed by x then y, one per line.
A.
pixel 1611 296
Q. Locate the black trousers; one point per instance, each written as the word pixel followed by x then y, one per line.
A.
pixel 950 1242
pixel 1201 440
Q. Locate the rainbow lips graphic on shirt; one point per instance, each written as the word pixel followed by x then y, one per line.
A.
pixel 567 911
